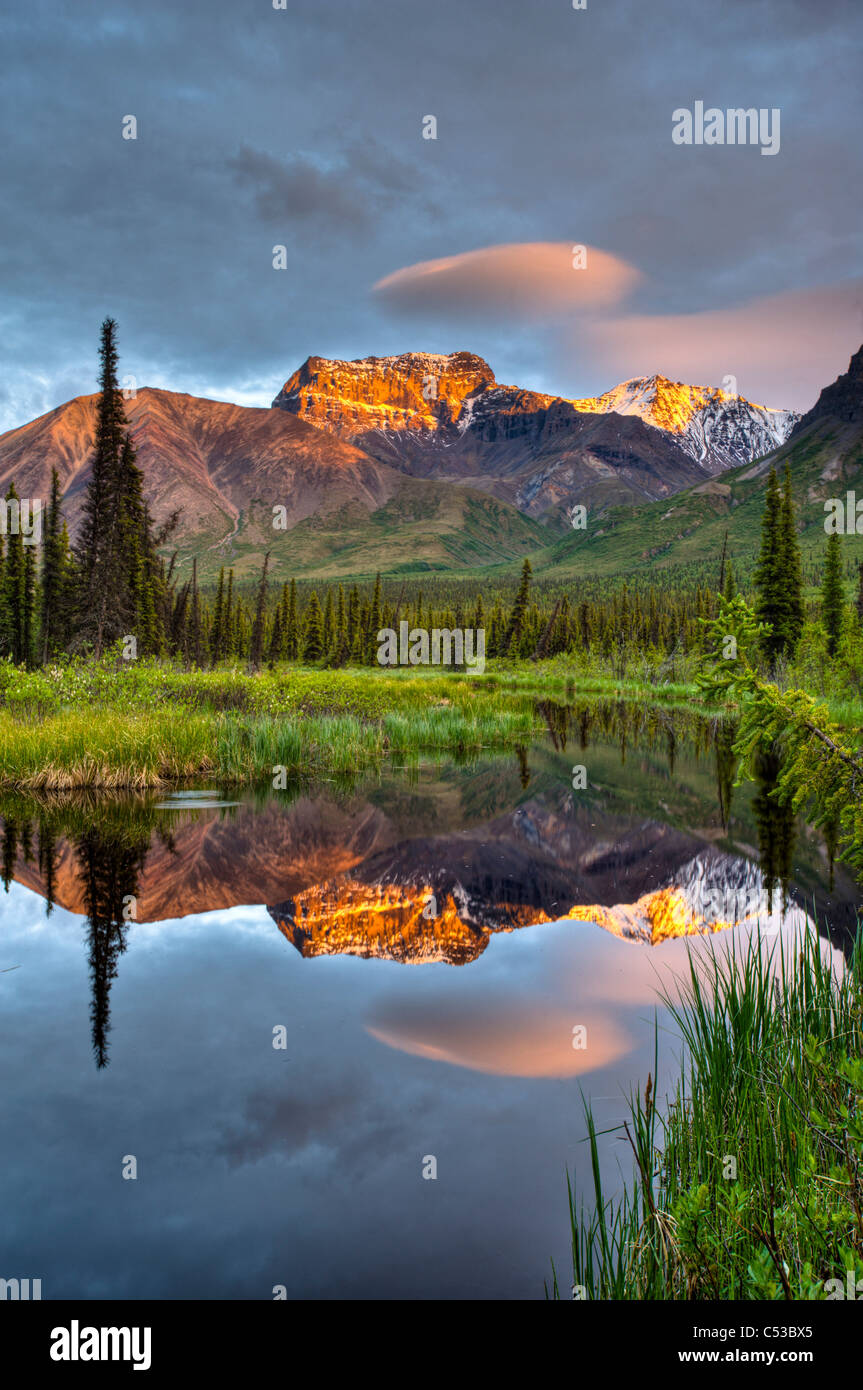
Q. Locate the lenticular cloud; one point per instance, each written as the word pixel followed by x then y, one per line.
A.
pixel 536 280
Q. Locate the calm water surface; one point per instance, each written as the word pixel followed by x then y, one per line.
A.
pixel 425 941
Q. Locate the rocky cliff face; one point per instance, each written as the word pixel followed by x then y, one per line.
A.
pixel 842 401
pixel 418 391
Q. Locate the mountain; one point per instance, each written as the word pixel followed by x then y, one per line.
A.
pixel 425 462
pixel 225 467
pixel 446 417
pixel 841 403
pixel 825 454
pixel 716 428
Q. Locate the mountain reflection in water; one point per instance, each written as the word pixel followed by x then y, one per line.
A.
pixel 427 864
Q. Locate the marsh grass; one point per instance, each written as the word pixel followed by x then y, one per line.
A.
pixel 107 748
pixel 774 1082
pixel 147 723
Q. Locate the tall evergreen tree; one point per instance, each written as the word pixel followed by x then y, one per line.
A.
pixel 329 621
pixel 374 621
pixel 730 588
pixel 15 588
pixel 195 624
pixel 97 550
pixel 792 568
pixel 274 649
pixel 832 596
pixel 228 649
pixel 515 627
pixel 218 618
pixel 54 596
pixel 292 627
pixel 29 604
pixel 354 618
pixel 256 648
pixel 313 634
pixel 116 555
pixel 769 577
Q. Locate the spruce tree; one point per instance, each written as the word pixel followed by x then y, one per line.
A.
pixel 274 649
pixel 340 651
pixel 792 570
pixel 292 627
pixel 138 603
pixel 329 622
pixel 116 555
pixel 374 621
pixel 195 625
pixel 515 627
pixel 218 619
pixel 14 588
pixel 228 649
pixel 29 605
pixel 54 597
pixel 769 579
pixel 4 614
pixel 354 619
pixel 256 648
pixel 832 596
pixel 313 634
pixel 96 551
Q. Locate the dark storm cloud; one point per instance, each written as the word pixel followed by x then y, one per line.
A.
pixel 353 193
pixel 303 127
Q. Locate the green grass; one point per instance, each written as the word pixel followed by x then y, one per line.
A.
pixel 774 1082
pixel 91 726
pixel 137 724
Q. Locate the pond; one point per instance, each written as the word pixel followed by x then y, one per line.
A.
pixel 332 1041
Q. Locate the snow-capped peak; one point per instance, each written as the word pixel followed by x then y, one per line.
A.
pixel 717 428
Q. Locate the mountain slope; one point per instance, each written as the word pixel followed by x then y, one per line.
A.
pixel 225 467
pixel 825 455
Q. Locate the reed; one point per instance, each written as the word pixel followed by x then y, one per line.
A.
pixel 749 1183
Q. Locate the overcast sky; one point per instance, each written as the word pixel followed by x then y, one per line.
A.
pixel 303 127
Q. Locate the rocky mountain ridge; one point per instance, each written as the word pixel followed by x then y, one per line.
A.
pixel 390 405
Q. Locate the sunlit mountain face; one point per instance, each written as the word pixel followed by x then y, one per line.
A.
pixel 718 428
pixel 446 416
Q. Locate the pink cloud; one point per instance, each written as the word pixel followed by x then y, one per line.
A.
pixel 530 280
pixel 781 348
